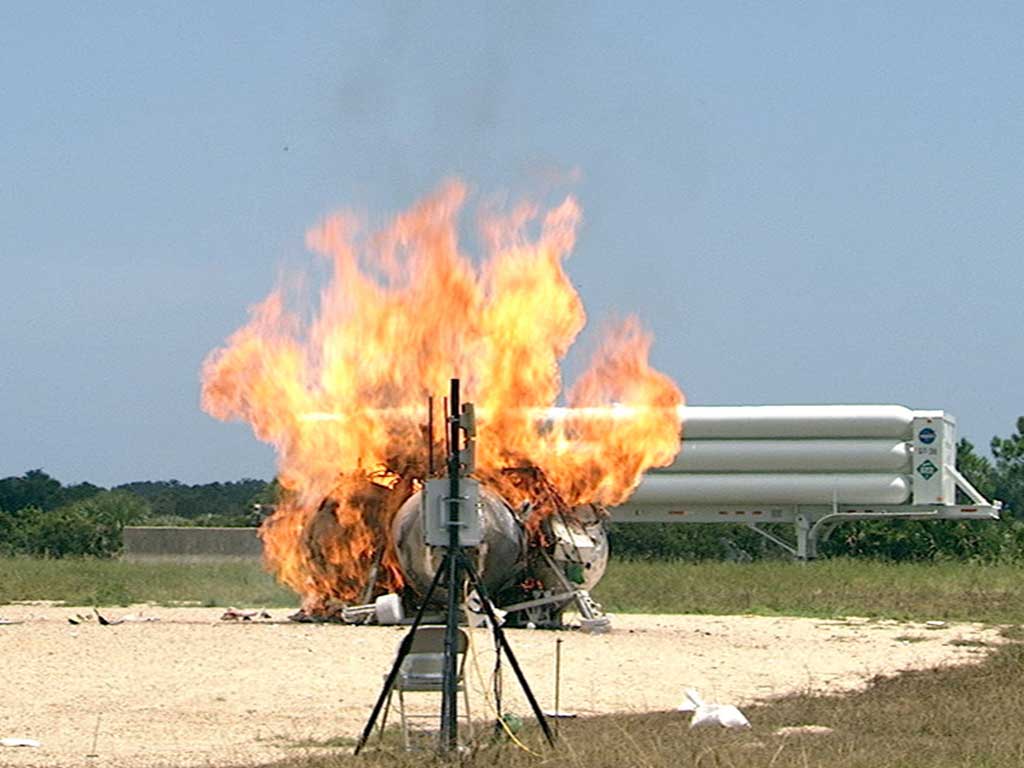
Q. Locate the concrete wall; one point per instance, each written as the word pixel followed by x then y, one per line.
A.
pixel 165 541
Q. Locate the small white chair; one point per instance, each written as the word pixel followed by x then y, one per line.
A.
pixel 422 671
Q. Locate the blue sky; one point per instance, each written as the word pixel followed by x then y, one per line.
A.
pixel 807 203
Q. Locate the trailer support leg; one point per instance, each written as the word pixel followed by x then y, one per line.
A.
pixel 772 538
pixel 806 538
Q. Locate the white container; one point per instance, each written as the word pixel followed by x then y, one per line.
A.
pixel 852 455
pixel 388 609
pixel 673 490
pixel 795 421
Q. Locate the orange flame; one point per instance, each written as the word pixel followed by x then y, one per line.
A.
pixel 342 397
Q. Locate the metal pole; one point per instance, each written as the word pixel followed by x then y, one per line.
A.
pixel 558 680
pixel 430 436
pixel 450 699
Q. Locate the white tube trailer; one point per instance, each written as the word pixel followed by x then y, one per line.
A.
pixel 812 466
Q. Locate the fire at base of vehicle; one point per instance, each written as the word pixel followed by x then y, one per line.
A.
pixel 534 563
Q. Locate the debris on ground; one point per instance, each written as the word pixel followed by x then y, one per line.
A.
pixel 798 730
pixel 722 715
pixel 7 622
pixel 105 622
pixel 386 610
pixel 687 705
pixel 18 742
pixel 935 625
pixel 128 618
pixel 598 625
pixel 138 618
pixel 246 614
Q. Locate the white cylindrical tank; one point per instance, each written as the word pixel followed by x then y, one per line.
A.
pixel 795 421
pixel 852 455
pixel 499 559
pixel 760 488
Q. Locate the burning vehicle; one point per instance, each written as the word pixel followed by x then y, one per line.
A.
pixel 341 393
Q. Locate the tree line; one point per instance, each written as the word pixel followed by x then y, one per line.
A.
pixel 41 516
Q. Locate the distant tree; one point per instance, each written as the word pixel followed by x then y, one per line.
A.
pixel 269 494
pixel 14 529
pixel 37 489
pixel 33 489
pixel 977 469
pixel 173 502
pixel 1009 469
pixel 79 492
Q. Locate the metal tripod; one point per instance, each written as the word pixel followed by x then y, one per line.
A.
pixel 454 564
pixel 501 642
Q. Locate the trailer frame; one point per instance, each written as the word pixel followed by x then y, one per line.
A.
pixel 813 523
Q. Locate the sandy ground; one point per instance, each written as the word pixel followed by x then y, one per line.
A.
pixel 191 690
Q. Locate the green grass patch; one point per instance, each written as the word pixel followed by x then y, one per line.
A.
pixel 824 588
pixel 1014 633
pixel 967 643
pixel 119 582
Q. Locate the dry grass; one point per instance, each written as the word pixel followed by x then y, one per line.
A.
pixel 965 716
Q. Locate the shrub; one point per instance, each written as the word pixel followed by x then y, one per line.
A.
pixel 897 540
pixel 91 526
pixel 675 541
pixel 13 528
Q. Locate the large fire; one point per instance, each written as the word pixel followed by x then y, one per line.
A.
pixel 342 396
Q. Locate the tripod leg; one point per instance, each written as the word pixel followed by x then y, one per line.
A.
pixel 403 651
pixel 499 633
pixel 384 718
